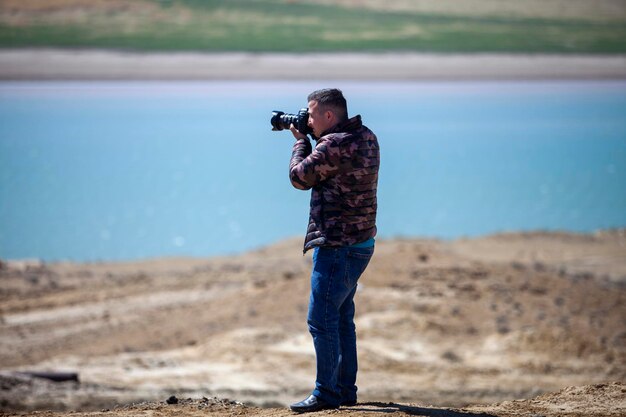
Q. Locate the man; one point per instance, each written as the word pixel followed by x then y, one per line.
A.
pixel 342 171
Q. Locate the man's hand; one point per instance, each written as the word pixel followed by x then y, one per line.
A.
pixel 296 133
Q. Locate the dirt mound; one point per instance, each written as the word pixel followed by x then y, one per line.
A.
pixel 600 400
pixel 590 400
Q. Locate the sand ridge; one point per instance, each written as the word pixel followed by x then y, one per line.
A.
pixel 86 64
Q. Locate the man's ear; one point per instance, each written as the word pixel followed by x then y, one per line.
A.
pixel 329 115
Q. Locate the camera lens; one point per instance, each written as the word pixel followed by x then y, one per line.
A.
pixel 276 120
pixel 281 121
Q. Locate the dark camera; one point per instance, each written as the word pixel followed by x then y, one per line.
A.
pixel 281 120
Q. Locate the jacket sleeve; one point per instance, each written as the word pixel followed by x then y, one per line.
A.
pixel 309 167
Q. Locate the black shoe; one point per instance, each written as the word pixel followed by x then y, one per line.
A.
pixel 348 403
pixel 311 404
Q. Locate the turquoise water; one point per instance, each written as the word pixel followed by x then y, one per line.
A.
pixel 119 170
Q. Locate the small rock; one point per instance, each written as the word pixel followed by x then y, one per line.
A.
pixel 172 400
pixel 518 265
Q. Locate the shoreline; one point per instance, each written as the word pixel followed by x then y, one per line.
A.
pixel 93 64
pixel 24 263
pixel 612 270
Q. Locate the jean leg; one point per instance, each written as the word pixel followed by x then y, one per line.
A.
pixel 347 339
pixel 357 260
pixel 323 321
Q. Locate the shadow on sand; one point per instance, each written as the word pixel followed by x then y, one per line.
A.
pixel 414 411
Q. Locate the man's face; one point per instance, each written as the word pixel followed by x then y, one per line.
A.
pixel 319 120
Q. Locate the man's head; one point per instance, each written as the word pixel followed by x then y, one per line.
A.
pixel 327 108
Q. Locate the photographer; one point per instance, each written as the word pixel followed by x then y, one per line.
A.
pixel 342 173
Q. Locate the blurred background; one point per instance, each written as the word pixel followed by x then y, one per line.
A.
pixel 150 238
pixel 152 164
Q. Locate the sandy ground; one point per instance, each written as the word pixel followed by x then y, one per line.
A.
pixel 59 64
pixel 471 324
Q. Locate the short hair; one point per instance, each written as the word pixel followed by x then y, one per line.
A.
pixel 331 98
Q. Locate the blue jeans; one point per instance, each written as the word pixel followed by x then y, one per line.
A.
pixel 336 272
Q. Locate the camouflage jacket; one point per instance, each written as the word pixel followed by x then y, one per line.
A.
pixel 342 172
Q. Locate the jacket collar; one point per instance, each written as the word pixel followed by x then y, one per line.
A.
pixel 348 126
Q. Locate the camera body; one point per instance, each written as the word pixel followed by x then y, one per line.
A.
pixel 281 121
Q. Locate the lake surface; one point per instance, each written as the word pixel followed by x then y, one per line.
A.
pixel 126 170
